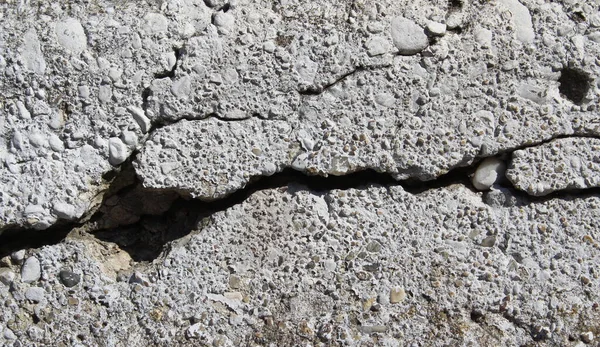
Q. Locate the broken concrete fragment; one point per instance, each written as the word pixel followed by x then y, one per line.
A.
pixel 411 117
pixel 421 258
pixel 568 163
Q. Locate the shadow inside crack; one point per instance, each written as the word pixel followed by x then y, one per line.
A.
pixel 15 239
pixel 141 221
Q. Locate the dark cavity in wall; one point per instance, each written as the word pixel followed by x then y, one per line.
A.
pixel 455 5
pixel 171 73
pixel 574 84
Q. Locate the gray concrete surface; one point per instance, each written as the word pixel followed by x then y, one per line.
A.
pixel 140 124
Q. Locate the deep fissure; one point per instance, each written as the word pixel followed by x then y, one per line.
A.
pixel 145 238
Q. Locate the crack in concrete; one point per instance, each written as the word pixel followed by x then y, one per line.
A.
pixel 145 245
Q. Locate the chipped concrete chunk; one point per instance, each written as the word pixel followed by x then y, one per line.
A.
pixel 569 163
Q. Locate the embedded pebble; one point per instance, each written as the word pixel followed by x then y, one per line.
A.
pixel 117 151
pixel 488 173
pixel 71 35
pixel 6 276
pixel 397 295
pixel 69 278
pixel 522 20
pixel 408 37
pixel 32 52
pixel 31 270
pixel 437 29
pixel 587 337
pixel 65 211
pixel 35 294
pixel 18 256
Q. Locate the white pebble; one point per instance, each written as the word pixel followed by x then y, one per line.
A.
pixel 408 36
pixel 23 111
pixel 32 53
pixel 71 36
pixel 129 138
pixel 84 92
pixel 489 172
pixel 6 276
pixel 437 29
pixel 522 20
pixel 104 93
pixel 64 210
pixel 31 270
pixel 182 87
pixel 224 20
pixel 55 143
pixel 18 256
pixel 35 294
pixel 269 46
pixel 140 117
pixel 117 151
pixel 483 36
pixel 377 45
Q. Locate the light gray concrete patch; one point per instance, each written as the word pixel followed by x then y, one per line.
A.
pixel 569 163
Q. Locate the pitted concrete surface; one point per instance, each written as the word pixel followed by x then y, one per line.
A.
pixel 133 124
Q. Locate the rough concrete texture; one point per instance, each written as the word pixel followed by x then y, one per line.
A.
pixel 356 84
pixel 571 163
pixel 369 266
pixel 157 135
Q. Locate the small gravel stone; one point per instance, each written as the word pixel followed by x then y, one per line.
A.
pixel 18 256
pixel 437 29
pixel 489 172
pixel 117 151
pixel 69 278
pixel 499 197
pixel 6 261
pixel 35 294
pixel 370 329
pixel 488 241
pixel 140 117
pixel 9 335
pixel 587 337
pixel 139 278
pixel 64 210
pixel 408 36
pixel 6 276
pixel 71 35
pixel 31 270
pixel 374 247
pixel 397 295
